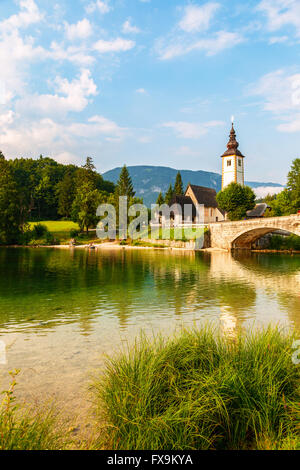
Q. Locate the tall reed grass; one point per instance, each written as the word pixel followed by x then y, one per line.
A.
pixel 201 391
pixel 26 428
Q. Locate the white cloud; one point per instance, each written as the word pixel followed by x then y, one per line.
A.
pixel 128 28
pixel 185 151
pixel 141 91
pixel 17 52
pixel 198 18
pixel 101 5
pixel 15 61
pixel 278 39
pixel 28 15
pixel 7 118
pixel 78 55
pixel 191 130
pixel 66 158
pixel 280 91
pixel 263 191
pixel 115 45
pixel 80 30
pixel 71 96
pixel 281 13
pixel 211 45
pixel 64 141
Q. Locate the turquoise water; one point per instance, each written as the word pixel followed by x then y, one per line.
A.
pixel 62 311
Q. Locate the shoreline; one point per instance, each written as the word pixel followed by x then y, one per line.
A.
pixel 115 246
pixel 118 246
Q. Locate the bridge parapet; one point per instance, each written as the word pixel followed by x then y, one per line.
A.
pixel 243 233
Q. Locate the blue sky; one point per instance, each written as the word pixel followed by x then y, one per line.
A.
pixel 151 82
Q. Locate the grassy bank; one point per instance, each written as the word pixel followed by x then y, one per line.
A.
pixel 197 390
pixel 61 232
pixel 200 391
pixel 60 229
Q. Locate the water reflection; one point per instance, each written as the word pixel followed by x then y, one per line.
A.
pixel 62 310
pixel 40 289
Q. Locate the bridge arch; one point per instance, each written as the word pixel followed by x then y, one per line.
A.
pixel 241 234
pixel 246 238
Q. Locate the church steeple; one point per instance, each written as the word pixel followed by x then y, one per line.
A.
pixel 232 162
pixel 233 145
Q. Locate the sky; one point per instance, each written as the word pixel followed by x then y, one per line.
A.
pixel 151 82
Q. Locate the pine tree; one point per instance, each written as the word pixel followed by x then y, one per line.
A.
pixel 87 175
pixel 89 164
pixel 160 200
pixel 178 188
pixel 169 194
pixel 124 185
pixel 2 157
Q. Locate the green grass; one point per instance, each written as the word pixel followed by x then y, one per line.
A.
pixel 174 233
pixel 59 228
pixel 27 429
pixel 201 391
pixel 197 390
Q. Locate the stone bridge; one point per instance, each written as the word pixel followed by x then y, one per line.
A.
pixel 242 234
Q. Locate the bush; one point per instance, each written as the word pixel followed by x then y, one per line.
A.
pixel 39 235
pixel 50 239
pixel 74 233
pixel 202 391
pixel 25 237
pixel 39 231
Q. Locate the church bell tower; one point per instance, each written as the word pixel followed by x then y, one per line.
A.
pixel 232 162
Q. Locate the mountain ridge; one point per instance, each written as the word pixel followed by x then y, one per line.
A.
pixel 149 180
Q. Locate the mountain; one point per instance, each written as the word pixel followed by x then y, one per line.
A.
pixel 149 181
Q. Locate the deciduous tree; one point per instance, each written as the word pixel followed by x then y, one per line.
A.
pixel 236 200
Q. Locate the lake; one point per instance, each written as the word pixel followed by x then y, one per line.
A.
pixel 62 311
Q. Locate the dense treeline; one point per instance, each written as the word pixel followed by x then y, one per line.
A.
pixel 288 201
pixel 44 189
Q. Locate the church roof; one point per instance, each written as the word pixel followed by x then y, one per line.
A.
pixel 205 196
pixel 258 211
pixel 182 201
pixel 232 146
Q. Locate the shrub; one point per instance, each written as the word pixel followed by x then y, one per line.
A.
pixel 74 233
pixel 202 391
pixel 39 231
pixel 25 237
pixel 50 239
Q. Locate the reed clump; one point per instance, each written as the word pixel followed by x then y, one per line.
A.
pixel 200 390
pixel 24 428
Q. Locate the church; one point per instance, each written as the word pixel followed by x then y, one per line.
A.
pixel 232 171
